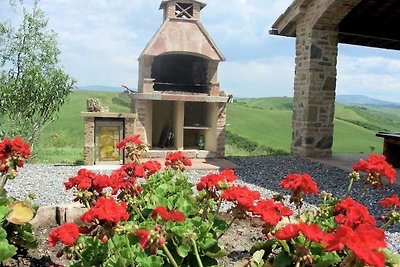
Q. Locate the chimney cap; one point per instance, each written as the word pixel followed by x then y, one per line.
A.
pixel 164 2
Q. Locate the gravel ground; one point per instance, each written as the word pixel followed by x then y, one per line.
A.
pixel 258 173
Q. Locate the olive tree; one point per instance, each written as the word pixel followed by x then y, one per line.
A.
pixel 33 85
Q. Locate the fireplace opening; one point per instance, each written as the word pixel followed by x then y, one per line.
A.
pixel 180 73
pixel 163 124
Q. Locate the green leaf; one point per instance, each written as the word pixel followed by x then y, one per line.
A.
pixel 220 225
pixel 391 257
pixel 216 252
pixel 6 250
pixel 207 242
pixel 282 260
pixel 285 246
pixel 327 259
pixel 150 261
pixel 258 257
pixel 4 212
pixel 183 250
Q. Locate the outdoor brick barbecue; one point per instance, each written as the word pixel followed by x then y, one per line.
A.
pixel 179 104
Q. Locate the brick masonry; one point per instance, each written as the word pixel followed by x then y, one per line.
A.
pixel 89 149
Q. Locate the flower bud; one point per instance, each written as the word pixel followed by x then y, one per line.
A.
pixel 59 254
pixel 104 239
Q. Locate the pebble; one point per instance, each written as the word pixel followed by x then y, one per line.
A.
pixel 261 173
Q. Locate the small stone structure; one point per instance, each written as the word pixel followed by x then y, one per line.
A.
pixel 319 26
pixel 102 130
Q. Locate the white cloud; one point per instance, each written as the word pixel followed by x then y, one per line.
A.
pixel 375 76
pixel 264 77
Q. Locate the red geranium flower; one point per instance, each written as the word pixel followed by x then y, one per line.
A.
pixel 173 215
pixel 106 209
pixel 288 232
pixel 376 165
pixel 243 196
pixel 12 155
pixel 270 211
pixel 365 243
pixel 310 231
pixel 144 237
pixel 177 161
pixel 337 241
pixel 88 180
pixel 125 178
pixel 67 234
pixel 135 139
pixel 213 180
pixel 300 183
pixel 151 166
pixel 393 201
pixel 351 213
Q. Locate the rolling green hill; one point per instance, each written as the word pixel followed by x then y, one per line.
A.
pixel 262 122
pixel 267 121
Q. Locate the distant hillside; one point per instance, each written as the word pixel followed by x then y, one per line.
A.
pixel 365 101
pixel 255 126
pixel 101 88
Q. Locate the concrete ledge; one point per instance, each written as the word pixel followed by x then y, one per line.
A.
pixel 57 215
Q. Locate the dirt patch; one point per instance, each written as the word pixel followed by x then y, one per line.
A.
pixel 237 242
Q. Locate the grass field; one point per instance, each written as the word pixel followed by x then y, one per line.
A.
pixel 266 121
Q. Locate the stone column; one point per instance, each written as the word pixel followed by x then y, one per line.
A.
pixel 221 122
pixel 314 91
pixel 143 123
pixel 88 149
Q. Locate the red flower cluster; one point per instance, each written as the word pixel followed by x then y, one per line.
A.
pixel 214 180
pixel 121 179
pixel 177 161
pixel 135 139
pixel 270 211
pixel 243 196
pixel 376 165
pixel 87 180
pixel 151 166
pixel 134 170
pixel 172 215
pixel 365 242
pixel 106 209
pixel 300 183
pixel 144 238
pixel 393 201
pixel 15 150
pixel 67 234
pixel 14 146
pixel 351 213
pixel 310 231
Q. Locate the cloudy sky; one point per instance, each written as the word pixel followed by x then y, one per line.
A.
pixel 102 39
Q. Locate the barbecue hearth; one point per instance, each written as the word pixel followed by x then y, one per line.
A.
pixel 179 102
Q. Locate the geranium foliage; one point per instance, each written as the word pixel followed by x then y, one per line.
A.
pixel 15 230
